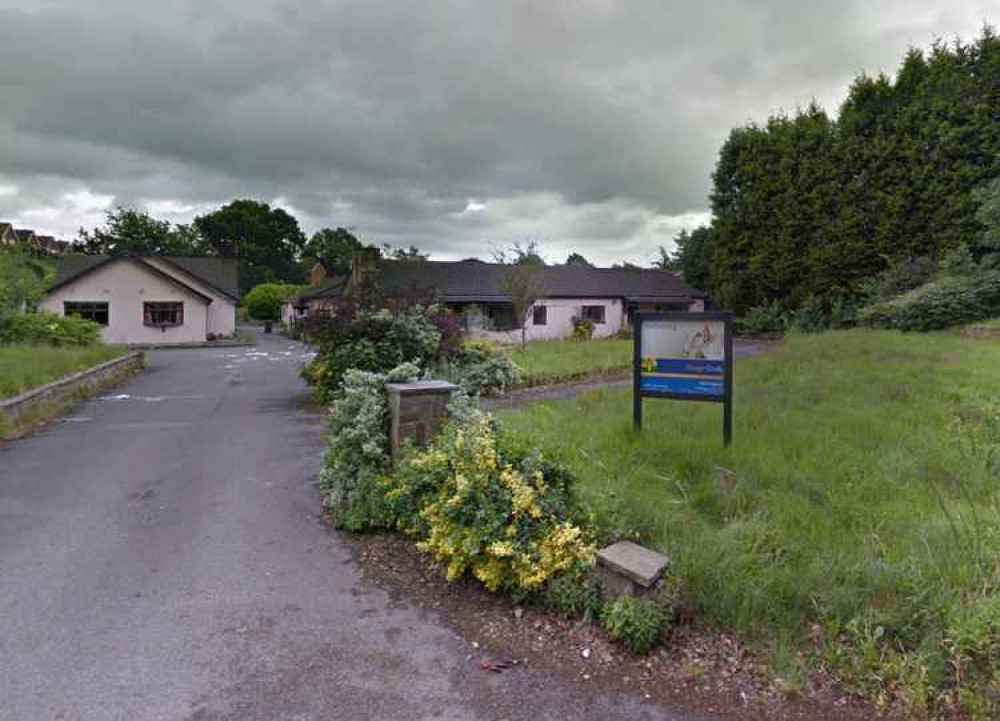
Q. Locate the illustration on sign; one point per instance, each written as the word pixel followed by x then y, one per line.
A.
pixel 683 357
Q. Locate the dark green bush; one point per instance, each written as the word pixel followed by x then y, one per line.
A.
pixel 47 328
pixel 811 317
pixel 573 594
pixel 374 341
pixel 763 320
pixel 903 276
pixel 479 367
pixel 638 624
pixel 942 303
pixel 583 328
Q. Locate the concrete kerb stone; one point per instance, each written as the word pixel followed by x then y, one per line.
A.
pixel 417 410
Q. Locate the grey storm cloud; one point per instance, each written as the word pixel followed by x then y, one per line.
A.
pixel 590 125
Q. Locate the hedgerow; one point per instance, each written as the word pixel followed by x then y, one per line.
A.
pixel 48 328
pixel 379 339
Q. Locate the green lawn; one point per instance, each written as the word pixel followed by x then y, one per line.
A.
pixel 862 511
pixel 547 361
pixel 26 366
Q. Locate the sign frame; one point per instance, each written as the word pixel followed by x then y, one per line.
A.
pixel 726 318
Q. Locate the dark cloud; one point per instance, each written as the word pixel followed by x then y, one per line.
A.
pixel 588 124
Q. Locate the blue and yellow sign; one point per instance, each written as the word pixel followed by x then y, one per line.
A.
pixel 683 356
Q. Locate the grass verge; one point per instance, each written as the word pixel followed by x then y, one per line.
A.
pixel 23 367
pixel 555 361
pixel 855 523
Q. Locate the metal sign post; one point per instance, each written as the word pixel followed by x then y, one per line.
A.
pixel 684 356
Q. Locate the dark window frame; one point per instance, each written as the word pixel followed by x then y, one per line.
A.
pixel 595 313
pixel 543 312
pixel 89 310
pixel 157 314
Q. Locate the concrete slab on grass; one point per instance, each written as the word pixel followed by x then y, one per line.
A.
pixel 640 565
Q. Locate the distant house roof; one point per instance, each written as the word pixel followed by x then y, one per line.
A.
pixel 25 235
pixel 331 287
pixel 217 273
pixel 474 281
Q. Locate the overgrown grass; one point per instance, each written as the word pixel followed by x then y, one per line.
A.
pixel 26 366
pixel 549 361
pixel 857 518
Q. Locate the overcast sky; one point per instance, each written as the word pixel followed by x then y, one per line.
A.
pixel 588 125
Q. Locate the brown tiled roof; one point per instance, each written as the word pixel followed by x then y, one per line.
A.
pixel 476 281
pixel 219 273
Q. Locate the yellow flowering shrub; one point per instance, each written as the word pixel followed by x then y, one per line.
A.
pixel 483 506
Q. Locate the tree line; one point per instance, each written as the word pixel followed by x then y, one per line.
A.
pixel 267 243
pixel 809 207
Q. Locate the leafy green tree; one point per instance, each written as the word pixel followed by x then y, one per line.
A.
pixel 665 260
pixel 693 257
pixel 410 253
pixel 519 253
pixel 24 279
pixel 986 247
pixel 266 242
pixel 333 248
pixel 806 206
pixel 128 230
pixel 522 280
pixel 577 259
pixel 264 301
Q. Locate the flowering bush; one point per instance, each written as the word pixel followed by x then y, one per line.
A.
pixel 482 505
pixel 480 367
pixel 358 457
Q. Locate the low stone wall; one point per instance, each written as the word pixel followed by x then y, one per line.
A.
pixel 78 384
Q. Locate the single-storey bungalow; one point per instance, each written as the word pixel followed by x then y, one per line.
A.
pixel 606 296
pixel 148 299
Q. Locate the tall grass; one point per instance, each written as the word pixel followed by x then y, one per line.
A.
pixel 548 361
pixel 855 516
pixel 27 366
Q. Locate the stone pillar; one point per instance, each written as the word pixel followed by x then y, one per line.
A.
pixel 628 569
pixel 418 411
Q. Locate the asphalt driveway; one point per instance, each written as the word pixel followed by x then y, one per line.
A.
pixel 162 557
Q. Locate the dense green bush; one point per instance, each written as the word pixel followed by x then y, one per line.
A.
pixel 637 624
pixel 264 301
pixel 942 303
pixel 583 328
pixel 573 594
pixel 428 336
pixel 374 341
pixel 763 320
pixel 479 367
pixel 47 328
pixel 358 454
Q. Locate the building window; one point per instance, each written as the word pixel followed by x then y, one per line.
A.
pixel 594 313
pixel 162 315
pixel 501 317
pixel 539 315
pixel 97 312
